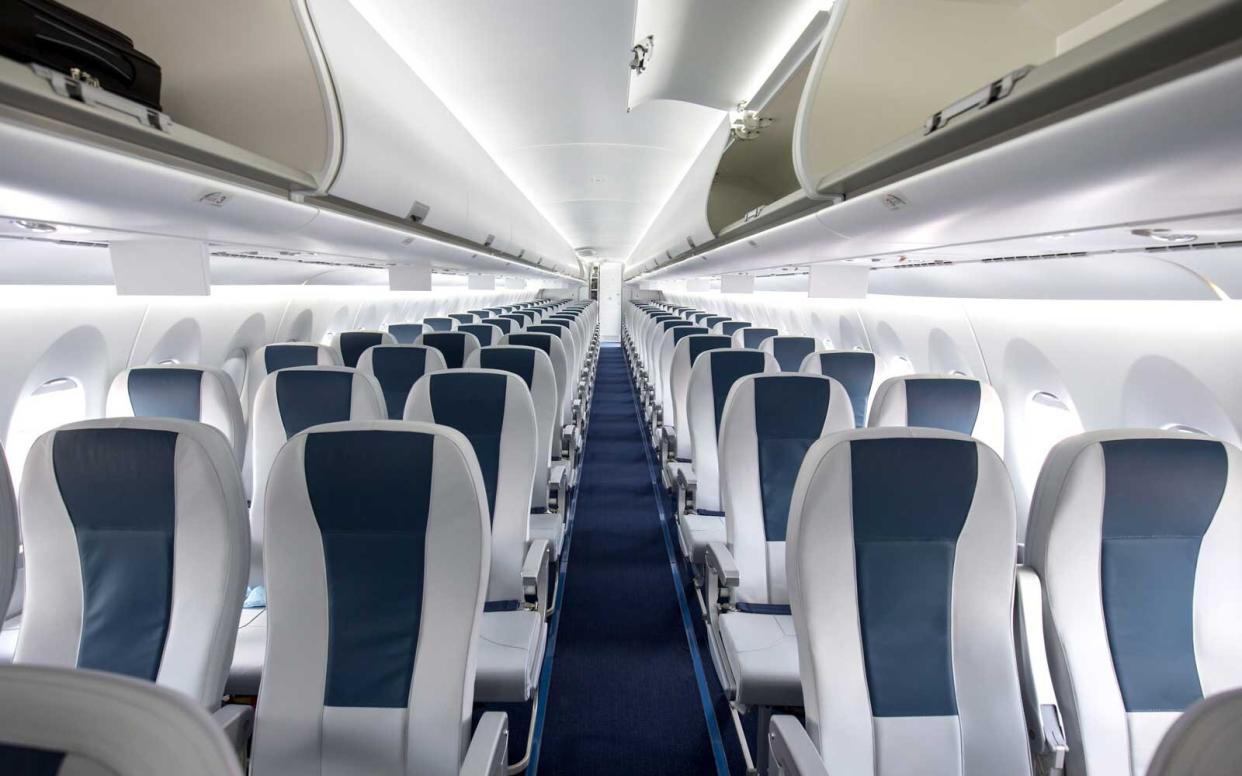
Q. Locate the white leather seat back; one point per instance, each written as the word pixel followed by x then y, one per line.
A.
pixel 901 578
pixel 752 336
pixel 664 372
pixel 1137 535
pixel 552 346
pixel 494 410
pixel 950 402
pixel 199 393
pixel 714 373
pixel 535 368
pixel 789 350
pixel 685 353
pixel 768 424
pixel 455 346
pixel 88 723
pixel 376 578
pixel 396 368
pixel 573 358
pixel 352 344
pixel 854 369
pixel 659 333
pixel 136 552
pixel 290 401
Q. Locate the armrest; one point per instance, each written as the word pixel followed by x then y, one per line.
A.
pixel 237 722
pixel 489 746
pixel 720 562
pixel 790 751
pixel 1043 714
pixel 668 443
pixel 535 572
pixel 558 487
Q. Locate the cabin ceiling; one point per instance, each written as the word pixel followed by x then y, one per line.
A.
pixel 544 87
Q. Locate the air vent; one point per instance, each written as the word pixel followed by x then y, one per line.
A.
pixel 585 252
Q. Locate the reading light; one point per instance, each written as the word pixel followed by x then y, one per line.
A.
pixel 1165 235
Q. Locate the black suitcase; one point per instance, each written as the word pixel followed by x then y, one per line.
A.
pixel 47 33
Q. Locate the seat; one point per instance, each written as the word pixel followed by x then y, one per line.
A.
pixel 712 322
pixel 282 355
pixel 752 336
pixel 950 402
pixel 652 396
pixel 901 583
pixel 664 411
pixel 519 321
pixel 714 373
pixel 396 368
pixel 406 333
pixel 289 402
pixel 788 350
pixel 730 327
pixel 136 551
pixel 1204 741
pixel 854 369
pixel 376 579
pixel 1137 536
pixel 198 393
pixel 90 723
pixel 463 318
pixel 505 325
pixel 439 324
pixel 564 449
pixel 455 346
pixel 485 333
pixel 768 424
pixel 684 350
pixel 352 344
pixel 494 410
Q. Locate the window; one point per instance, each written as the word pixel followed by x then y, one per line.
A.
pixel 1048 419
pixel 235 366
pixel 54 403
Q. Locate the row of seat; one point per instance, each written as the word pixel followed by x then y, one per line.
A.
pixel 868 577
pixel 371 532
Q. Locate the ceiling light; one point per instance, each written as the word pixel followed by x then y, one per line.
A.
pixel 33 226
pixel 1165 235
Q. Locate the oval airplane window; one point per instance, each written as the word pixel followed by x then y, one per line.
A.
pixel 52 403
pixel 235 365
pixel 1047 420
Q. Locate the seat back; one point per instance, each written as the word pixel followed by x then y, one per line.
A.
pixel 551 345
pixel 534 366
pixel 136 552
pixel 396 368
pixel 901 582
pixel 90 723
pixel 752 336
pixel 485 333
pixel 854 369
pixel 282 355
pixel 376 579
pixel 352 344
pixel 768 424
pixel 406 333
pixel 463 318
pixel 454 346
pixel 187 392
pixel 653 345
pixel 729 328
pixel 519 321
pixel 789 350
pixel 483 313
pixel 1137 536
pixel 494 410
pixel 712 322
pixel 1204 741
pixel 950 402
pixel 685 353
pixel 439 324
pixel 504 324
pixel 663 373
pixel 562 332
pixel 290 401
pixel 713 375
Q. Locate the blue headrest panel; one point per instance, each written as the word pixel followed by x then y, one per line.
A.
pixel 754 336
pixel 536 340
pixel 789 351
pixel 119 488
pixel 371 495
pixel 730 327
pixel 396 370
pixel 309 398
pixel 789 417
pixel 462 317
pixel 29 761
pixel 166 393
pixel 474 404
pixel 353 343
pixel 451 344
pixel 519 361
pixel 946 403
pixel 285 356
pixel 405 333
pixel 856 372
pixel 705 342
pixel 439 324
pixel 729 366
pixel 481 332
pixel 685 331
pixel 504 324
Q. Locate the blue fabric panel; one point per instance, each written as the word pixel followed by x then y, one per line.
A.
pixel 686 331
pixel 856 372
pixel 674 323
pixel 520 320
pixel 405 333
pixel 462 317
pixel 910 499
pixel 550 322
pixel 730 327
pixel 165 393
pixel 439 324
pixel 727 368
pixel 451 345
pixel 789 351
pixel 481 314
pixel 952 405
pixel 541 341
pixel 371 494
pixel 353 343
pixel 483 334
pixel 504 324
pixel 474 404
pixel 711 321
pixel 502 606
pixel 118 487
pixel 754 336
pixel 700 317
pixel 285 356
pixel 519 361
pixel 397 369
pixel 1160 496
pixel 28 761
pixel 789 417
pixel 308 398
pixel 775 609
pixel 699 345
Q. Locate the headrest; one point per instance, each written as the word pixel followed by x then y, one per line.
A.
pixel 521 360
pixel 674 323
pixel 485 333
pixel 351 344
pixel 712 320
pixel 855 369
pixel 405 333
pixel 753 336
pixel 789 350
pixel 504 324
pixel 186 392
pixel 397 368
pixel 949 402
pixel 697 344
pixel 462 317
pixel 730 327
pixel 682 332
pixel 282 355
pixel 96 724
pixel 1204 741
pixel 453 345
pixel 440 324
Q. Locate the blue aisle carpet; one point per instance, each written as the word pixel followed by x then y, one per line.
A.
pixel 623 698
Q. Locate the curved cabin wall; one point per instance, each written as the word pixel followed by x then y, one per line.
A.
pixel 236 70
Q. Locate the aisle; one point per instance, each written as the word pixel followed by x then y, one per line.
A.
pixel 623 697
